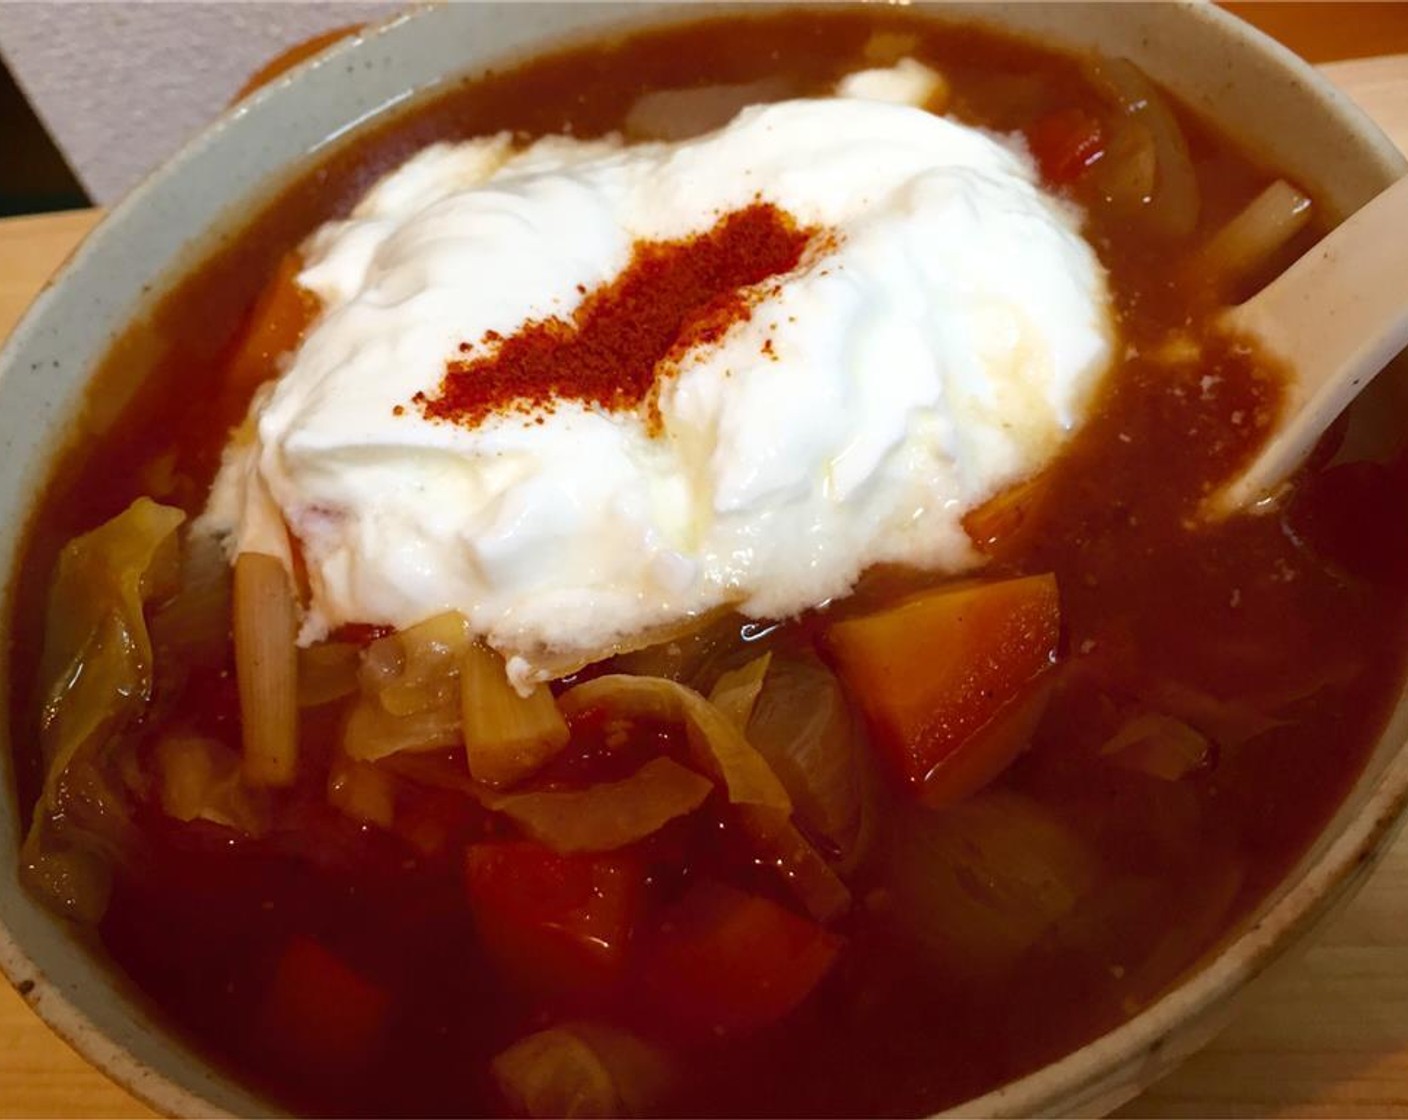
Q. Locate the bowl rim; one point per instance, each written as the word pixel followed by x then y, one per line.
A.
pixel 1074 1079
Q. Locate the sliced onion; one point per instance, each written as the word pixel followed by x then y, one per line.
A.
pixel 382 663
pixel 760 799
pixel 976 884
pixel 201 779
pixel 195 625
pixel 436 770
pixel 678 114
pixel 687 654
pixel 554 1073
pixel 417 669
pixel 1160 746
pixel 1208 899
pixel 1126 174
pixel 361 791
pixel 326 672
pixel 718 748
pixel 1247 243
pixel 415 695
pixel 1173 201
pixel 608 815
pixel 642 1072
pixel 802 725
pixel 736 691
pixel 1228 723
pixel 801 867
pixel 373 733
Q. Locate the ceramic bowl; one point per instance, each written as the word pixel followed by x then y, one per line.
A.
pixel 1264 97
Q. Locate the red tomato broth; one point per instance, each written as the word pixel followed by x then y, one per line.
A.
pixel 1292 616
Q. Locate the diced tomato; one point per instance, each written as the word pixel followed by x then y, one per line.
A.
pixel 556 922
pixel 951 681
pixel 726 962
pixel 1065 142
pixel 321 1011
pixel 359 633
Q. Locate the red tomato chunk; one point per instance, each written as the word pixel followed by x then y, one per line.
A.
pixel 320 1010
pixel 1065 142
pixel 726 962
pixel 558 922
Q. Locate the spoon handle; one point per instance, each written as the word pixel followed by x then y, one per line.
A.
pixel 1335 318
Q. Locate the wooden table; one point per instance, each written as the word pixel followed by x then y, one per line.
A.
pixel 1329 1038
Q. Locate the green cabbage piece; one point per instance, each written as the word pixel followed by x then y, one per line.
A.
pixel 96 672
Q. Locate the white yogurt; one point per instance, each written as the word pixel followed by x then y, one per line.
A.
pixel 943 348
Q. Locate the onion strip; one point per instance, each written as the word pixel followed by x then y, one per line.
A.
pixel 582 1069
pixel 761 801
pixel 195 625
pixel 736 692
pixel 608 815
pixel 362 791
pixel 1247 243
pixel 1158 745
pixel 717 747
pixel 373 733
pixel 1171 206
pixel 802 725
pixel 417 669
pixel 326 672
pixel 201 780
pixel 554 1073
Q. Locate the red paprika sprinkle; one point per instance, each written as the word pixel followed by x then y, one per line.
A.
pixel 671 297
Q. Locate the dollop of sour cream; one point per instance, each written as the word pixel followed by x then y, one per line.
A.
pixel 940 345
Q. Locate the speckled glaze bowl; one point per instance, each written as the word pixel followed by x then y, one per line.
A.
pixel 1259 93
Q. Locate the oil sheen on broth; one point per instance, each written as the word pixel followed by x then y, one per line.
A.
pixel 1010 807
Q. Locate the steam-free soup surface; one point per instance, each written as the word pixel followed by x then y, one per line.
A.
pixel 1215 690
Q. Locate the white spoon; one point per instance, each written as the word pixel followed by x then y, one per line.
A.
pixel 1335 318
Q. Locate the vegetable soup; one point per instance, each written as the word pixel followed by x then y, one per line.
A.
pixel 506 747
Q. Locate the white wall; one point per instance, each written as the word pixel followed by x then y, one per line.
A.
pixel 121 84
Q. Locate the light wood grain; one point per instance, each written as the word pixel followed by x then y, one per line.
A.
pixel 30 250
pixel 1327 1038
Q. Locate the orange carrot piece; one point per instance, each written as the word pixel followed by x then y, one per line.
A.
pixel 951 681
pixel 281 314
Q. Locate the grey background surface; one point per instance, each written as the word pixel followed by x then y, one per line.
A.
pixel 121 84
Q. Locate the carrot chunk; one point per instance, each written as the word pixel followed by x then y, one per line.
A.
pixel 283 311
pixel 727 962
pixel 952 682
